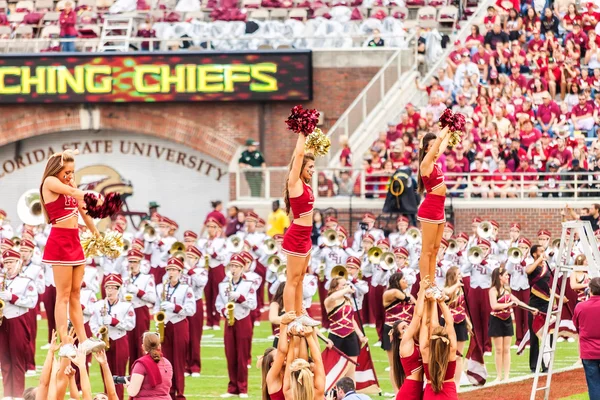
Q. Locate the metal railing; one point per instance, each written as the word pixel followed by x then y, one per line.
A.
pixel 268 183
pixel 369 98
pixel 36 45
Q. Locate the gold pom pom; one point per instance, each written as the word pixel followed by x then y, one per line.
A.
pixel 109 244
pixel 91 244
pixel 318 142
pixel 455 138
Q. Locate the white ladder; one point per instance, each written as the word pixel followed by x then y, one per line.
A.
pixel 563 268
pixel 116 33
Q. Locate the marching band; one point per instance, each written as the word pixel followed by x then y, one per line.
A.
pixel 190 285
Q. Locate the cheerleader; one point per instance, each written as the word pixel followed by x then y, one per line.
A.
pixel 407 363
pixel 344 331
pixel 501 325
pixel 398 305
pixel 454 289
pixel 580 280
pixel 297 244
pixel 276 312
pixel 304 380
pixel 431 211
pixel 61 201
pixel 272 364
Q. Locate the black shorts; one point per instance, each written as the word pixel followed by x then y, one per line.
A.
pixel 349 345
pixel 386 342
pixel 500 327
pixel 462 333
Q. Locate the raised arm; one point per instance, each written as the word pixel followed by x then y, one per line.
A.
pixel 439 146
pixel 54 184
pixel 449 320
pixel 416 320
pixel 42 390
pixel 319 370
pixel 299 151
pixel 282 347
pixel 530 268
pixel 111 392
pixel 274 316
pixel 424 331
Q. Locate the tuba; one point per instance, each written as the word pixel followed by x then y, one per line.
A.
pixel 29 208
pixel 160 317
pixel 103 331
pixel 339 271
pixel 475 255
pixel 414 235
pixel 374 255
pixel 230 306
pixel 330 238
pixel 150 234
pixel 485 230
pixel 235 244
pixel 269 247
pixel 273 263
pixel 515 255
pixel 388 261
pixel 452 247
pixel 2 303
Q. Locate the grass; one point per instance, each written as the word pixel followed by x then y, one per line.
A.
pixel 581 396
pixel 213 380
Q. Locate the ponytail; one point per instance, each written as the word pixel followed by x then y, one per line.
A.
pixel 151 345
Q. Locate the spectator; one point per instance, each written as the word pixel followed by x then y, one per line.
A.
pixel 494 37
pixel 528 177
pixel 479 181
pixel 377 41
pixel 575 174
pixel 435 107
pixel 345 184
pixel 324 186
pixel 153 208
pixel 346 156
pixel 582 117
pixel 561 155
pixel 252 158
pixel 547 114
pixel 482 59
pixel 549 22
pixel 217 212
pixel 235 221
pixel 318 224
pixel 462 106
pixel 467 70
pixel 151 375
pixel 346 389
pixel 278 221
pixel 501 122
pixel 514 24
pixel 68 19
pixel 456 183
pixel 529 135
pixel 552 179
pixel 501 182
pixel 474 39
pixel 593 217
pixel 585 319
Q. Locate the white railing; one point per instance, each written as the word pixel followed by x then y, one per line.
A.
pixel 155 44
pixel 356 115
pixel 268 184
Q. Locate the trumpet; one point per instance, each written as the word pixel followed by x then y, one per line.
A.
pixel 235 243
pixel 374 255
pixel 177 247
pixel 475 255
pixel 150 234
pixel 273 263
pixel 330 238
pixel 230 307
pixel 269 247
pixel 339 271
pixel 388 261
pixel 485 230
pixel 515 255
pixel 414 235
pixel 452 247
pixel 2 303
pixel 161 316
pixel 103 331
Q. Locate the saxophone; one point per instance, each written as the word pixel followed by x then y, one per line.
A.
pixel 206 262
pixel 230 307
pixel 2 304
pixel 321 271
pixel 128 296
pixel 103 332
pixel 161 316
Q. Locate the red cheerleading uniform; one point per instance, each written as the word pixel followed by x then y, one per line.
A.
pixel 581 292
pixel 398 310
pixel 277 395
pixel 411 389
pixel 432 208
pixel 63 246
pixel 448 391
pixel 296 240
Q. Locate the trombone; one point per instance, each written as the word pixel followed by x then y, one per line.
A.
pixel 330 238
pixel 414 235
pixel 485 230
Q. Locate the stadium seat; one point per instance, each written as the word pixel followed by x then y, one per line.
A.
pixel 3 6
pixel 44 5
pixel 16 17
pixel 50 32
pixel 251 3
pixel 258 14
pixel 51 17
pixel 24 31
pixel 279 14
pixel 5 31
pixel 299 14
pixel 426 17
pixel 448 14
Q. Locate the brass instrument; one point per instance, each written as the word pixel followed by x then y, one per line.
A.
pixel 269 247
pixel 321 271
pixel 555 243
pixel 103 331
pixel 235 244
pixel 2 303
pixel 475 255
pixel 179 254
pixel 29 208
pixel 330 238
pixel 273 263
pixel 161 316
pixel 388 261
pixel 339 271
pixel 230 306
pixel 150 234
pixel 177 247
pixel 515 255
pixel 282 273
pixel 414 235
pixel 452 247
pixel 485 230
pixel 206 262
pixel 126 245
pixel 16 242
pixel 374 255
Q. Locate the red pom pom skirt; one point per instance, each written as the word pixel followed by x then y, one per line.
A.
pixel 448 392
pixel 296 240
pixel 432 209
pixel 63 247
pixel 410 390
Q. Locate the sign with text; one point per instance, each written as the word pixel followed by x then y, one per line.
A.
pixel 156 77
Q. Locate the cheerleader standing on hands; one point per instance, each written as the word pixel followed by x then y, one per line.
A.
pixel 61 202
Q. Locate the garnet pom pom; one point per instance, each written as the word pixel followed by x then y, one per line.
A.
pixel 302 121
pixel 446 118
pixel 112 204
pixel 458 123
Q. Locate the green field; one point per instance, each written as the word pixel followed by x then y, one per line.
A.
pixel 213 380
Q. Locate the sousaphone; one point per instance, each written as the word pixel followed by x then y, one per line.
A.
pixel 29 208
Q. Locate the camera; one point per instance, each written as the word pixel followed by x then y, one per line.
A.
pixel 120 380
pixel 363 226
pixel 333 393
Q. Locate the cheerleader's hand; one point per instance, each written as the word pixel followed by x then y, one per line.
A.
pixel 100 356
pixel 307 331
pixel 288 317
pixel 167 306
pixel 329 344
pixel 364 340
pixel 69 371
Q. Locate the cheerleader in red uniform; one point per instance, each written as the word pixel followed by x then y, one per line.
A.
pixel 297 244
pixel 580 280
pixel 454 289
pixel 61 202
pixel 407 363
pixel 431 211
pixel 272 363
pixel 399 306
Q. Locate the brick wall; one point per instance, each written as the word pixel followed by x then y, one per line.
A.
pixel 213 128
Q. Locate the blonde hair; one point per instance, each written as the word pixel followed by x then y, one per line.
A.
pixel 301 380
pixel 54 165
pixel 151 345
pixel 439 345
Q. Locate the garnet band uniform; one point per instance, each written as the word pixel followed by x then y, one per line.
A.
pixel 196 278
pixel 478 298
pixel 296 240
pixel 143 298
pixel 432 208
pixel 15 335
pixel 519 285
pixel 379 282
pixel 63 246
pixel 36 274
pixel 122 321
pixel 238 338
pixel 216 251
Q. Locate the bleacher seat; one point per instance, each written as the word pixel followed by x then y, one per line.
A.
pixel 3 6
pixel 51 17
pixel 44 5
pixel 426 17
pixel 16 17
pixel 50 32
pixel 447 14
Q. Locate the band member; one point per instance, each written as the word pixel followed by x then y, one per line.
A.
pixel 142 290
pixel 239 293
pixel 462 261
pixel 454 289
pixel 410 275
pixel 367 272
pixel 448 231
pixel 189 239
pixel 297 244
pixel 379 282
pixel 49 300
pixel 6 231
pixel 256 240
pixel 399 306
pixel 514 235
pixel 519 286
pixel 544 237
pixel 442 264
pixel 251 275
pixel 481 281
pixel 474 236
pixel 361 287
pixel 344 331
pixel 197 278
pixel 119 318
pixel 367 228
pixel 215 252
pixel 61 202
pixel 19 295
pixel 176 300
pixel 431 211
pixel 399 239
pixel 88 301
pixel 580 280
